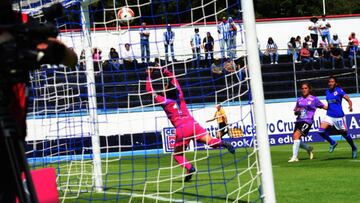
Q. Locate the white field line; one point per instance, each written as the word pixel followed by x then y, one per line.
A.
pixel 199 173
pixel 156 197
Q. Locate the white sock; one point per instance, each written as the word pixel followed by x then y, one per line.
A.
pixel 296 147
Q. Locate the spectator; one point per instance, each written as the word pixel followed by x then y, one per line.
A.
pixel 82 59
pixel 144 43
pixel 324 28
pixel 208 45
pixel 96 55
pixel 223 30
pixel 195 43
pixel 127 55
pixel 305 56
pixel 292 49
pixel 113 55
pixel 336 56
pixel 298 44
pixel 272 51
pixel 114 58
pixel 336 42
pixel 352 38
pixel 169 37
pixel 232 37
pixel 314 35
pixel 261 55
pixel 308 41
pixel 352 50
pixel 322 54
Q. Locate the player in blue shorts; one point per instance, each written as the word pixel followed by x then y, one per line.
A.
pixel 305 108
pixel 335 116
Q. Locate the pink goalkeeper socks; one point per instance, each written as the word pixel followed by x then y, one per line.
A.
pixel 181 160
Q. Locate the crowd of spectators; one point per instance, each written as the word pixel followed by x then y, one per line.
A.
pixel 319 48
pixel 226 30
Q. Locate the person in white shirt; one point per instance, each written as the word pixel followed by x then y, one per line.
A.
pixel 324 28
pixel 169 37
pixel 272 51
pixel 292 50
pixel 224 36
pixel 336 42
pixel 314 31
pixel 195 43
pixel 127 54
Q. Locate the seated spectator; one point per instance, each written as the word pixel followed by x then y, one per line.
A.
pixel 321 54
pixel 309 42
pixel 298 44
pixel 305 56
pixel 127 55
pixel 272 51
pixel 352 38
pixel 292 49
pixel 113 55
pixel 336 56
pixel 336 42
pixel 114 58
pixel 352 49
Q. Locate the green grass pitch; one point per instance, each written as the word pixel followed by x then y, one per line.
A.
pixel 328 178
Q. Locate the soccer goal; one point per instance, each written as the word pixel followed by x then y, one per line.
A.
pixel 108 138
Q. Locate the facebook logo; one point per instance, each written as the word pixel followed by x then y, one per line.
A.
pixel 169 136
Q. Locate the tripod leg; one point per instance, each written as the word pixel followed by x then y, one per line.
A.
pixel 16 156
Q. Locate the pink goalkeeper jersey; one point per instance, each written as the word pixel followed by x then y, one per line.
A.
pixel 176 111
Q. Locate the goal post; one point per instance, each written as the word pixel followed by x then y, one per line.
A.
pixel 92 102
pixel 257 93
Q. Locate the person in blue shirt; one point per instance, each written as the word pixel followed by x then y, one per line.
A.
pixel 144 43
pixel 232 37
pixel 224 36
pixel 335 116
pixel 352 49
pixel 169 37
pixel 195 43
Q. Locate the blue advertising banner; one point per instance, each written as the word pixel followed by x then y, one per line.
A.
pixel 352 121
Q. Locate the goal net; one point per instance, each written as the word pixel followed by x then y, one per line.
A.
pixel 103 132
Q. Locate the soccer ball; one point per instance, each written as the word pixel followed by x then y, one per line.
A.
pixel 126 14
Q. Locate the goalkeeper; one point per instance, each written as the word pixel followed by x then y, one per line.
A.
pixel 174 105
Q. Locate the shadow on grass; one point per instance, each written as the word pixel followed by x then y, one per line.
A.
pixel 335 158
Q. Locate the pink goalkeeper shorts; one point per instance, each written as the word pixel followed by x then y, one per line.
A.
pixel 188 131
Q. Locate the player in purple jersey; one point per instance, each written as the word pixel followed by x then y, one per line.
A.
pixel 335 116
pixel 174 105
pixel 305 108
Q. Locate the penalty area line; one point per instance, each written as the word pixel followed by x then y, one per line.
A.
pixel 156 197
pixel 355 160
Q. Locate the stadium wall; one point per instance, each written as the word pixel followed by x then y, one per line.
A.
pixel 280 119
pixel 280 29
